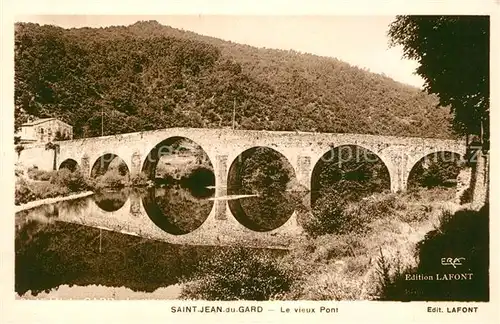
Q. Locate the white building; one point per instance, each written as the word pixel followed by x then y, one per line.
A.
pixel 45 130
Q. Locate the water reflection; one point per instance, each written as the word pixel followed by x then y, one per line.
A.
pixel 264 212
pixel 111 200
pixel 177 209
pixel 200 183
pixel 51 252
pixel 265 175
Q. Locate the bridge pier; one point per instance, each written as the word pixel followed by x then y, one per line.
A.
pixel 135 163
pixel 398 174
pixel 85 165
pixel 220 173
pixel 135 204
pixel 303 174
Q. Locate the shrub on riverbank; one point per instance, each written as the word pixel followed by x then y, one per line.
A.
pixel 333 214
pixel 39 175
pixel 75 181
pixel 60 183
pixel 239 274
pixel 30 191
pixel 113 178
pixel 50 184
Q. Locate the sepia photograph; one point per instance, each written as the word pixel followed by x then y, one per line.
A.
pixel 252 158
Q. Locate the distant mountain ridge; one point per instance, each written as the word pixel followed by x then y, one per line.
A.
pixel 148 76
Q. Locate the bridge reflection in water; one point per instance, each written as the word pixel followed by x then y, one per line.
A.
pixel 53 249
pixel 172 214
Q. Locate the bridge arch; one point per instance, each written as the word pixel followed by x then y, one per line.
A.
pixel 448 161
pixel 179 203
pixel 258 184
pixel 103 163
pixel 171 146
pixel 351 163
pixel 69 164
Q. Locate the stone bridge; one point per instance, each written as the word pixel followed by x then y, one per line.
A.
pixel 223 146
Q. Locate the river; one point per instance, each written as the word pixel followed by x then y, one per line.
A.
pixel 59 256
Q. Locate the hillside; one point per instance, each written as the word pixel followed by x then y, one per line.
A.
pixel 148 76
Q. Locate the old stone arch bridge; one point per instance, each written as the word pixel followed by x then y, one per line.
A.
pixel 223 146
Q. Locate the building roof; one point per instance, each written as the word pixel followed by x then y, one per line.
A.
pixel 43 120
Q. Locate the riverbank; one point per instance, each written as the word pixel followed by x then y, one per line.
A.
pixel 351 266
pixel 34 185
pixel 48 201
pixel 384 233
pixel 343 265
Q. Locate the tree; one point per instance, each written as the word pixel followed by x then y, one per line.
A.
pixel 453 53
pixel 149 76
pixel 55 147
pixel 19 148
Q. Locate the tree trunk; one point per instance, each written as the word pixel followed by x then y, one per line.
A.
pixel 54 166
pixel 54 162
pixel 480 180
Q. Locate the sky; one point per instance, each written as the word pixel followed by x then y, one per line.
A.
pixel 358 40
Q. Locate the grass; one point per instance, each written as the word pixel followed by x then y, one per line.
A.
pixel 345 265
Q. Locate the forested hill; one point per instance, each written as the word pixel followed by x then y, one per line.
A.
pixel 149 76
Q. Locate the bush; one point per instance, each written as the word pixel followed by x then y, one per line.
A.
pixel 331 285
pixel 390 273
pixel 466 196
pixel 334 214
pixel 44 190
pixel 73 181
pixel 23 193
pixel 39 175
pixel 113 178
pixel 327 216
pixel 239 274
pixel 61 183
pixel 26 192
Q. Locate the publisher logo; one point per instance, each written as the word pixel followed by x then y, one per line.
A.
pixel 454 262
